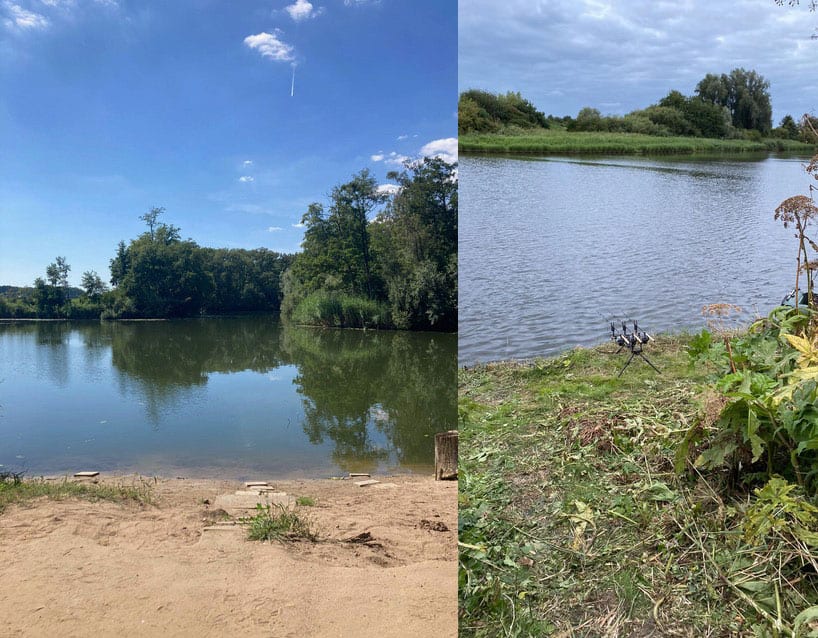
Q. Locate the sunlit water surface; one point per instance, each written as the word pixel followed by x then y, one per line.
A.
pixel 229 397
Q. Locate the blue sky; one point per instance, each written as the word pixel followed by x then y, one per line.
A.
pixel 111 107
pixel 623 55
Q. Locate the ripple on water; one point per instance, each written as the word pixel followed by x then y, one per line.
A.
pixel 549 249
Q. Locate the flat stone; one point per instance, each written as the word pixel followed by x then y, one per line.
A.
pixel 249 484
pixel 365 483
pixel 356 474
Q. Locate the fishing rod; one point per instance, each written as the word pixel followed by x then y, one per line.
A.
pixel 634 340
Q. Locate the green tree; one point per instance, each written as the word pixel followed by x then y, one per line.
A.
pixel 150 218
pixel 744 93
pixel 48 299
pixel 119 264
pixel 588 119
pixel 57 275
pixel 481 111
pixel 93 284
pixel 336 253
pixel 166 278
pixel 416 243
pixel 473 118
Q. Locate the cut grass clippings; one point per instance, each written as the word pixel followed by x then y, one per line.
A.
pixel 573 521
pixel 15 489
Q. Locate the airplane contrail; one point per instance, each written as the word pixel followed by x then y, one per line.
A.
pixel 292 87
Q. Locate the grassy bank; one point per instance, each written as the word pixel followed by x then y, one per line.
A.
pixel 560 142
pixel 15 490
pixel 574 521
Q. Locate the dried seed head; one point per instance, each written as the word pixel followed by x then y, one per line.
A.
pixel 812 167
pixel 799 209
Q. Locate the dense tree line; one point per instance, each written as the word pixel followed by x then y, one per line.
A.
pixel 159 275
pixel 731 105
pixel 398 269
pixel 369 260
pixel 484 112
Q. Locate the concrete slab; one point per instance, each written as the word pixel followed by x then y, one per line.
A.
pixel 249 500
pixel 381 486
pixel 365 483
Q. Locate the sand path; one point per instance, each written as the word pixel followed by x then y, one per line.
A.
pixel 77 568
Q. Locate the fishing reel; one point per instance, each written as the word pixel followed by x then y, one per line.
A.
pixel 634 340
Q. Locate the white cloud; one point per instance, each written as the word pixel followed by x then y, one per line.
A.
pixel 387 189
pixel 269 46
pixel 299 225
pixel 391 158
pixel 273 229
pixel 247 163
pixel 302 10
pixel 246 178
pixel 19 18
pixel 402 137
pixel 445 149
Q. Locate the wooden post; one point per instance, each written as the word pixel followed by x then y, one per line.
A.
pixel 446 455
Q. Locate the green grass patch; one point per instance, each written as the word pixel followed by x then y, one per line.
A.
pixel 339 310
pixel 561 142
pixel 14 489
pixel 573 521
pixel 305 501
pixel 279 523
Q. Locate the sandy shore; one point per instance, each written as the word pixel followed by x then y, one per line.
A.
pixel 78 568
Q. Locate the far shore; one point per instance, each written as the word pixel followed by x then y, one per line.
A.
pixel 555 142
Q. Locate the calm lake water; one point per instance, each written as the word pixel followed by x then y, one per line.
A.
pixel 552 249
pixel 232 397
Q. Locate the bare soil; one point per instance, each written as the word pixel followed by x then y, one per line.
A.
pixel 385 564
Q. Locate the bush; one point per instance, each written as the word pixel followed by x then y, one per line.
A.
pixel 340 310
pixel 769 423
pixel 84 308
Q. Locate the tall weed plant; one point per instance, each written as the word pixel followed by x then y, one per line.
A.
pixel 769 379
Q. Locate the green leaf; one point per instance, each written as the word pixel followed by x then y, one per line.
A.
pixel 799 626
pixel 756 441
pixel 660 492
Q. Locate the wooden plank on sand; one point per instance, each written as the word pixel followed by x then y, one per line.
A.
pixel 365 483
pixel 86 474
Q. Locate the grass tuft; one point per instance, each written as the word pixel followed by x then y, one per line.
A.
pixel 281 524
pixel 15 490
